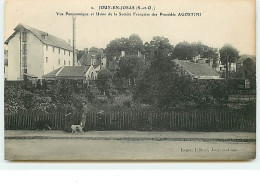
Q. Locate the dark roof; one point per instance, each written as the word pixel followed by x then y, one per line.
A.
pixel 242 58
pixel 198 70
pixel 49 39
pixel 86 58
pixel 69 72
pixel 51 74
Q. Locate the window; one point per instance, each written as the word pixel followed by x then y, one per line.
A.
pixel 25 49
pixel 24 36
pixel 64 51
pixel 59 61
pixel 53 48
pixel 46 59
pixel 59 50
pixel 69 53
pixel 69 63
pixel 64 62
pixel 24 61
pixel 46 47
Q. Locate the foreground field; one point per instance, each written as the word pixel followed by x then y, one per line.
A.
pixel 120 147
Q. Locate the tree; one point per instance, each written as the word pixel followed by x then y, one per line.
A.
pixel 130 45
pixel 249 68
pixel 185 51
pixel 103 81
pixel 220 90
pixel 228 55
pixel 130 67
pixel 153 45
pixel 63 92
pixel 134 44
pixel 162 84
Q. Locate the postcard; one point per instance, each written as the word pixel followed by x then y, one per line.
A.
pixel 130 80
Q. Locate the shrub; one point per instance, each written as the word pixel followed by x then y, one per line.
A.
pixel 16 99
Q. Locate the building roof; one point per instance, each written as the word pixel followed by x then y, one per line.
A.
pixel 197 70
pixel 52 74
pixel 86 58
pixel 67 72
pixel 44 37
pixel 242 58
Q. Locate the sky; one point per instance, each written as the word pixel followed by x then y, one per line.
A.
pixel 221 21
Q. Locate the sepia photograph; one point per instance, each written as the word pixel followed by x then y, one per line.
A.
pixel 130 80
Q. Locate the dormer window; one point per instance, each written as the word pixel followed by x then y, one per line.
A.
pixel 44 35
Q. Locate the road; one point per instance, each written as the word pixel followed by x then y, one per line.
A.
pixel 80 149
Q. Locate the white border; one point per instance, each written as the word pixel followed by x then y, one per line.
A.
pixel 255 164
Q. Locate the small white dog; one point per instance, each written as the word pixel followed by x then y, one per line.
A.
pixel 74 129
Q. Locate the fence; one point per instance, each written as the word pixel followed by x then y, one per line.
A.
pixel 31 121
pixel 143 120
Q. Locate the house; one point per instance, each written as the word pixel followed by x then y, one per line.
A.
pixel 95 60
pixel 34 53
pixel 243 58
pixel 94 57
pixel 196 70
pixel 83 73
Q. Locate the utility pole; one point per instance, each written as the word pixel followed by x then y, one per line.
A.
pixel 74 38
pixel 227 64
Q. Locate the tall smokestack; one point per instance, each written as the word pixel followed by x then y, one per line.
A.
pixel 74 39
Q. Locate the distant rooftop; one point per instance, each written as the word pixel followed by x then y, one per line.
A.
pixel 67 72
pixel 197 70
pixel 88 55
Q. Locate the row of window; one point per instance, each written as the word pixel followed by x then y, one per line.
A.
pixel 24 34
pixel 53 50
pixel 59 62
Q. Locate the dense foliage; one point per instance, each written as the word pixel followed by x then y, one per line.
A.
pixel 155 81
pixel 58 98
pixel 228 55
pixel 130 45
pixel 165 87
pixel 186 51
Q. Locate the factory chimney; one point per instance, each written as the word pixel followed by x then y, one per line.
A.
pixel 74 38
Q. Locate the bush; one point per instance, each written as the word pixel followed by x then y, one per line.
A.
pixel 63 92
pixel 16 99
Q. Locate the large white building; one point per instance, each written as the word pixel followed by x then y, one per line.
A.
pixel 33 53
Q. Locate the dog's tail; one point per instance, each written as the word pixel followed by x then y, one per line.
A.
pixel 47 126
pixel 82 125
